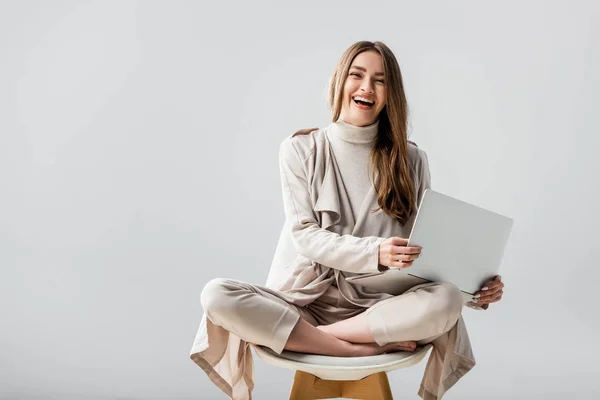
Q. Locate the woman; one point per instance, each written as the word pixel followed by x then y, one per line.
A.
pixel 350 192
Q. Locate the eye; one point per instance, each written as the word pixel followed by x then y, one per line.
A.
pixel 354 74
pixel 380 81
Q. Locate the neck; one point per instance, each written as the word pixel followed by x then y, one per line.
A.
pixel 354 134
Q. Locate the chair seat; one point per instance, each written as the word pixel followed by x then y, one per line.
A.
pixel 341 368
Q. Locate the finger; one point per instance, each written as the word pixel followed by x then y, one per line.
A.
pixel 490 283
pixel 397 263
pixel 390 262
pixel 474 303
pixel 496 281
pixel 491 287
pixel 499 292
pixel 398 241
pixel 405 250
pixel 405 257
pixel 491 298
pixel 489 291
pixel 496 299
pixel 490 301
pixel 401 264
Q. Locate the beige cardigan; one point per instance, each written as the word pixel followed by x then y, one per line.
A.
pixel 314 249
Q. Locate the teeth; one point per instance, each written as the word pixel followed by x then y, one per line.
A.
pixel 363 99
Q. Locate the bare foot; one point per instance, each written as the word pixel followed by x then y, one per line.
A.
pixel 408 346
pixel 373 349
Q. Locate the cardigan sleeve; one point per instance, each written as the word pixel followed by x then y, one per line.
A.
pixel 343 252
pixel 476 306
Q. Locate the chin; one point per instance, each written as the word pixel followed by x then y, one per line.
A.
pixel 360 118
pixel 364 121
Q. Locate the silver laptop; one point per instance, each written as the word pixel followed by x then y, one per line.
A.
pixel 462 244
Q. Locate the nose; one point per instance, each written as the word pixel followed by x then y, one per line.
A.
pixel 366 86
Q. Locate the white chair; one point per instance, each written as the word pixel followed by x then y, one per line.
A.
pixel 325 377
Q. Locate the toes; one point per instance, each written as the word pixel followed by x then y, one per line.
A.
pixel 409 344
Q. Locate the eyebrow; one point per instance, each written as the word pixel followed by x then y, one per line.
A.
pixel 363 69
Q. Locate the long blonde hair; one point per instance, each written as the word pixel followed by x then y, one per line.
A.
pixel 395 191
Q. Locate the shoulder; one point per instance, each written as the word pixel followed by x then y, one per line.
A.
pixel 415 152
pixel 302 143
pixel 417 156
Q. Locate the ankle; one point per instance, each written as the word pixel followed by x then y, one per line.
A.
pixel 352 349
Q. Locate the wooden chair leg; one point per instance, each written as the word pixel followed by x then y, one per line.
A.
pixel 373 387
pixel 309 387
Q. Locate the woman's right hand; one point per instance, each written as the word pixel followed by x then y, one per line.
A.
pixel 394 253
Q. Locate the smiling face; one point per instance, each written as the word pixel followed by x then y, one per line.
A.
pixel 365 92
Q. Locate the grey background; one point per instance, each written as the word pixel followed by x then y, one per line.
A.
pixel 138 160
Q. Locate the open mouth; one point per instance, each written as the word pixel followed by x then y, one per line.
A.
pixel 363 103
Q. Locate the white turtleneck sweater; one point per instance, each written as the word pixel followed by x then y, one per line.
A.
pixel 351 147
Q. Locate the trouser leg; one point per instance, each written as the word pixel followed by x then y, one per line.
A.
pixel 254 313
pixel 421 315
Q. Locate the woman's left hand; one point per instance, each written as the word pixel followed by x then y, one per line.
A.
pixel 491 292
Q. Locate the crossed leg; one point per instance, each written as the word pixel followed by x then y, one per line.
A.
pixel 262 316
pixel 418 316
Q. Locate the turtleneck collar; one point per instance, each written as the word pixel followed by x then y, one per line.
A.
pixel 354 134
